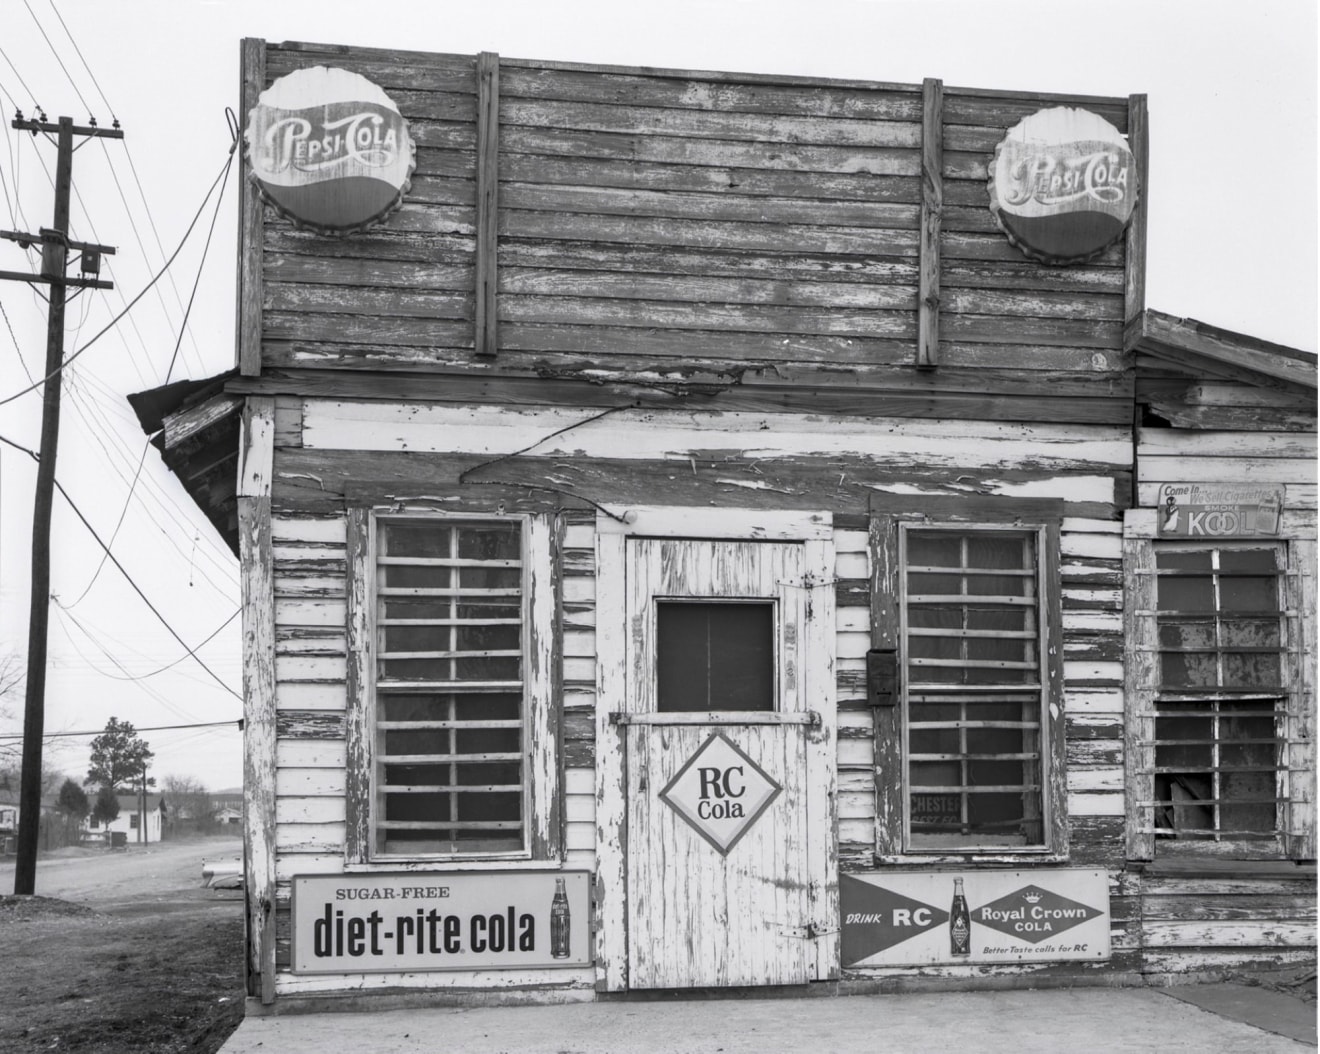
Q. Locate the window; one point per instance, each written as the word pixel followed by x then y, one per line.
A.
pixel 133 821
pixel 715 656
pixel 452 675
pixel 968 760
pixel 1217 765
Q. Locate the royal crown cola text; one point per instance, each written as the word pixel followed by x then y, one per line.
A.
pixel 960 922
pixel 559 922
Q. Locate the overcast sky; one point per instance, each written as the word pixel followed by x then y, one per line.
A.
pixel 1231 93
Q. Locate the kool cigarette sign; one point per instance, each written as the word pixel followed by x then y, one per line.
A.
pixel 329 149
pixel 434 921
pixel 1218 510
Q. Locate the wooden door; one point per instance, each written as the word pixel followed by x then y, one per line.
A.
pixel 717 803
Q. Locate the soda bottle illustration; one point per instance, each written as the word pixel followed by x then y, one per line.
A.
pixel 559 922
pixel 960 922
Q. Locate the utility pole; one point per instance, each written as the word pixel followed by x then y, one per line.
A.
pixel 55 246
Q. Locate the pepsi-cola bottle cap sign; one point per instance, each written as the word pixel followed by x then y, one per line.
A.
pixel 1063 185
pixel 329 149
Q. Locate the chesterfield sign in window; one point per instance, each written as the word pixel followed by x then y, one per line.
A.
pixel 917 918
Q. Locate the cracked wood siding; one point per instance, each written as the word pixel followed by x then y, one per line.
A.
pixel 722 228
pixel 1168 455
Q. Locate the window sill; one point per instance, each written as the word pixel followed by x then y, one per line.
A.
pixel 1025 858
pixel 1211 866
pixel 463 864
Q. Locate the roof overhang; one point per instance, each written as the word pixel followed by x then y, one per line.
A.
pixel 1182 345
pixel 195 426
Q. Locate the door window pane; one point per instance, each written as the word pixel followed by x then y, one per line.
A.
pixel 715 656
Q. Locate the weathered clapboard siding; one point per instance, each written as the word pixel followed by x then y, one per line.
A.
pixel 1169 455
pixel 1210 916
pixel 722 229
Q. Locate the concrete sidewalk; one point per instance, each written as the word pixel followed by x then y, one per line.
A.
pixel 1218 1018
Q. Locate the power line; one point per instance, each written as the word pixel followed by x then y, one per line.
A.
pixel 68 359
pixel 21 81
pixel 155 728
pixel 127 577
pixel 143 676
pixel 78 51
pixel 41 29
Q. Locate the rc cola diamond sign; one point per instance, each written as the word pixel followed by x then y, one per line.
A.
pixel 949 917
pixel 721 792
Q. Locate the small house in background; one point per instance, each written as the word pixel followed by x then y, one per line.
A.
pixel 8 812
pixel 704 530
pixel 228 815
pixel 138 821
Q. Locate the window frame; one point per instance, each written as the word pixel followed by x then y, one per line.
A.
pixel 1042 517
pixel 1295 816
pixel 541 779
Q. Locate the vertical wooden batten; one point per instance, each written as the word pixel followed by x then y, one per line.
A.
pixel 255 471
pixel 1134 277
pixel 248 324
pixel 488 147
pixel 932 206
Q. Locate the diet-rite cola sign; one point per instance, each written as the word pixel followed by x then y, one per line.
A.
pixel 432 921
pixel 946 917
pixel 721 792
pixel 1063 185
pixel 1218 510
pixel 329 149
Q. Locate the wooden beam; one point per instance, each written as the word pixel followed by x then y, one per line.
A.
pixel 932 206
pixel 488 147
pixel 248 324
pixel 258 602
pixel 1134 276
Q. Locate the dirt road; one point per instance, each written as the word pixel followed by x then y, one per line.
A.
pixel 100 877
pixel 122 951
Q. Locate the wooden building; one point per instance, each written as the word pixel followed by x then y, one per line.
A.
pixel 691 539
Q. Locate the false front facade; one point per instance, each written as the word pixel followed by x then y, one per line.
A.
pixel 705 530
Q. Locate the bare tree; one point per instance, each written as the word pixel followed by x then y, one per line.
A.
pixel 13 676
pixel 188 804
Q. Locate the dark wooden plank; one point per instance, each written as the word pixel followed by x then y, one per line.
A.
pixel 996 108
pixel 365 272
pixel 693 92
pixel 1026 275
pixel 623 117
pixel 700 288
pixel 705 357
pixel 857 395
pixel 367 300
pixel 612 172
pixel 1135 268
pixel 1027 303
pixel 958 245
pixel 250 235
pixel 488 131
pixel 695 260
pixel 877 161
pixel 371 245
pixel 762 237
pixel 596 200
pixel 727 318
pixel 390 69
pixel 932 207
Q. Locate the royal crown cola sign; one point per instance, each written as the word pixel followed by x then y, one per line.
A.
pixel 973 917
